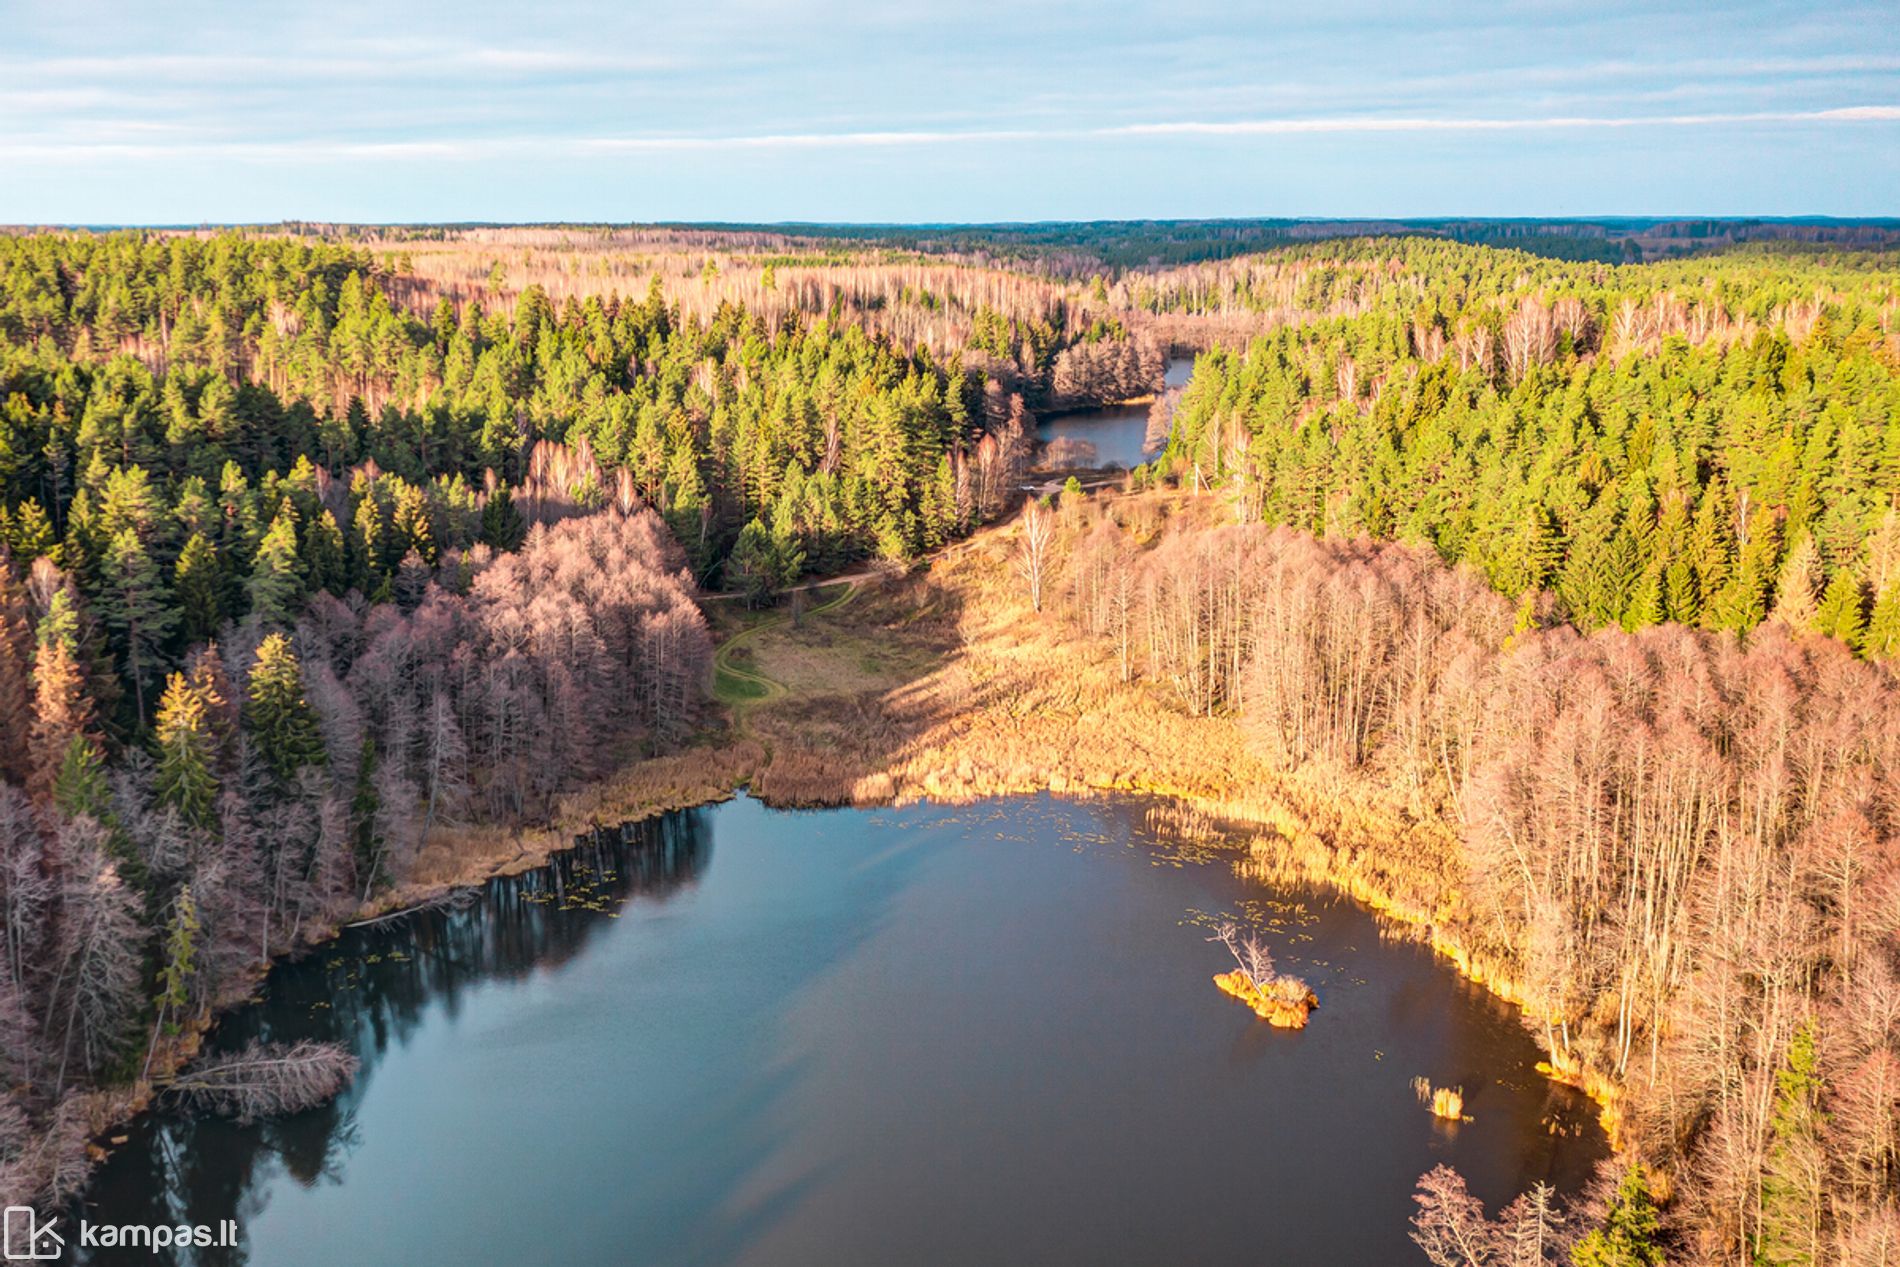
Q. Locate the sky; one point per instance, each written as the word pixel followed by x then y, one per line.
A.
pixel 929 110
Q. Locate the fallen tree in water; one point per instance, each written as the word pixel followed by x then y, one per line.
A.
pixel 1276 998
pixel 266 1080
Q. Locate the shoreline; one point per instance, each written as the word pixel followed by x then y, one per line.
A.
pixel 987 719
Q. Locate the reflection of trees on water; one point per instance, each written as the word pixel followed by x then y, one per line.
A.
pixel 371 988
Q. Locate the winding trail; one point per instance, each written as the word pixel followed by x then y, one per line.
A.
pixel 740 688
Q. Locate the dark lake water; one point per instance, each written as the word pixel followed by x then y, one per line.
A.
pixel 975 1035
pixel 1119 433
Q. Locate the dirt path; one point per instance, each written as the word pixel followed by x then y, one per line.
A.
pixel 738 687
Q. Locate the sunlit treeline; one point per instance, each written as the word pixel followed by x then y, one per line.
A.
pixel 1708 459
pixel 1680 849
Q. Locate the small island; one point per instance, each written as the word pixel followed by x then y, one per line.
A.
pixel 1276 998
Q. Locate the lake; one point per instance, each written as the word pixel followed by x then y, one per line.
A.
pixel 1118 432
pixel 956 1035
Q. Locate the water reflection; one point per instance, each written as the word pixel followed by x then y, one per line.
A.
pixel 1116 434
pixel 922 1035
pixel 369 990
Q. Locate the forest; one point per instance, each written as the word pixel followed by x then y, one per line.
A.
pixel 303 558
pixel 314 543
pixel 1647 445
pixel 1677 850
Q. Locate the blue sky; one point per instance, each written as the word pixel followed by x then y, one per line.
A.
pixel 902 110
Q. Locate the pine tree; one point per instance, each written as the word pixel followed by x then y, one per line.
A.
pixel 186 752
pixel 277 716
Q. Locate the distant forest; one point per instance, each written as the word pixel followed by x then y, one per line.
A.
pixel 1113 246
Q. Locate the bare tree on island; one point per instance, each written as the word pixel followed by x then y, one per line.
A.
pixel 1249 952
pixel 1275 997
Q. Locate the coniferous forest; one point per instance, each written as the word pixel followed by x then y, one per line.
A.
pixel 315 541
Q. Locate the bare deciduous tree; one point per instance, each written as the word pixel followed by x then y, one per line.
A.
pixel 1450 1225
pixel 1032 549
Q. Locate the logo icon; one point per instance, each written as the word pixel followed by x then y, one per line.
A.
pixel 27 1239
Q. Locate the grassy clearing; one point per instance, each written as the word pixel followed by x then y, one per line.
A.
pixel 738 681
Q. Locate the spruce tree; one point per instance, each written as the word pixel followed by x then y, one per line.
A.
pixel 197 588
pixel 1742 603
pixel 1646 600
pixel 16 675
pixel 276 715
pixel 180 971
pixel 62 709
pixel 1843 611
pixel 1794 1178
pixel 186 751
pixel 274 585
pixel 1800 583
pixel 323 562
pixel 79 786
pixel 364 805
pixel 502 528
pixel 1628 1236
pixel 754 568
pixel 1882 639
pixel 137 610
pixel 30 532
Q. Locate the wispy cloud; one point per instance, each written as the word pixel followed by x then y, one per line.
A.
pixel 881 104
pixel 388 65
pixel 1271 127
pixel 153 143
